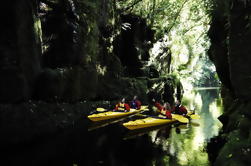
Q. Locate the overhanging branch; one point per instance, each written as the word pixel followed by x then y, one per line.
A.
pixel 131 6
pixel 177 16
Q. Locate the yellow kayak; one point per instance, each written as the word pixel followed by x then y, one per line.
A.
pixel 151 121
pixel 114 114
pixel 147 122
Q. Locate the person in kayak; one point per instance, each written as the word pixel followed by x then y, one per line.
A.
pixel 163 110
pixel 122 106
pixel 135 103
pixel 179 109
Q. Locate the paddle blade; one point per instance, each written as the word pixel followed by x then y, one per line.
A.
pixel 180 118
pixel 183 120
pixel 195 124
pixel 195 116
pixel 100 109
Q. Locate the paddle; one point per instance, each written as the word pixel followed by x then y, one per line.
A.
pixel 101 109
pixel 140 113
pixel 195 116
pixel 192 115
pixel 179 118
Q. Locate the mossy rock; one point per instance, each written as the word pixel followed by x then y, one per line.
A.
pixel 245 126
pixel 236 152
pixel 247 109
pixel 67 84
pixel 13 86
pixel 115 89
pixel 49 85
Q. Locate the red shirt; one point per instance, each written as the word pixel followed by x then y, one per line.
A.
pixel 160 107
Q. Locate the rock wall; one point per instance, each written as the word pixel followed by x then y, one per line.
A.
pixel 57 57
pixel 133 44
pixel 71 51
pixel 230 51
pixel 20 50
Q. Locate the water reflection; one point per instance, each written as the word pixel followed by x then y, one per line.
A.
pixel 170 145
pixel 186 144
pixel 175 145
pixel 113 145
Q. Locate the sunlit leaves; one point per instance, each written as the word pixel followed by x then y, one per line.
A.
pixel 180 30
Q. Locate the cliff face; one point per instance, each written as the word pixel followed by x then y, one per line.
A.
pixel 230 35
pixel 58 54
pixel 73 50
pixel 20 50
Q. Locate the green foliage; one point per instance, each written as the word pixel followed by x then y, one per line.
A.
pixel 181 35
pixel 164 15
pixel 182 67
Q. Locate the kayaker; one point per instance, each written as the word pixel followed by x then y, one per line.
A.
pixel 179 109
pixel 135 103
pixel 122 106
pixel 163 110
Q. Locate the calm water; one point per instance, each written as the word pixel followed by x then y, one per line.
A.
pixel 172 145
pixel 113 145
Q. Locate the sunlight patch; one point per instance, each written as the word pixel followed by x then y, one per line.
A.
pixel 101 70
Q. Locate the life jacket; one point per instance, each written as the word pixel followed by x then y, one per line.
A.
pixel 161 108
pixel 121 107
pixel 133 104
pixel 168 114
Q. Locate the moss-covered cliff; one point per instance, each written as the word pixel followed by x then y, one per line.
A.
pixel 72 50
pixel 58 57
pixel 230 51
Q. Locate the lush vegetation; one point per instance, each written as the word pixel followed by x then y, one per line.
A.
pixel 181 41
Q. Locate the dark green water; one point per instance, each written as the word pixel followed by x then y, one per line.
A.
pixel 113 145
pixel 169 145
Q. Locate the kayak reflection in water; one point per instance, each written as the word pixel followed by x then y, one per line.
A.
pixel 122 106
pixel 135 103
pixel 163 134
pixel 163 110
pixel 179 109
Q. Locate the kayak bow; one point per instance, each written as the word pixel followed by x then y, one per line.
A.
pixel 147 122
